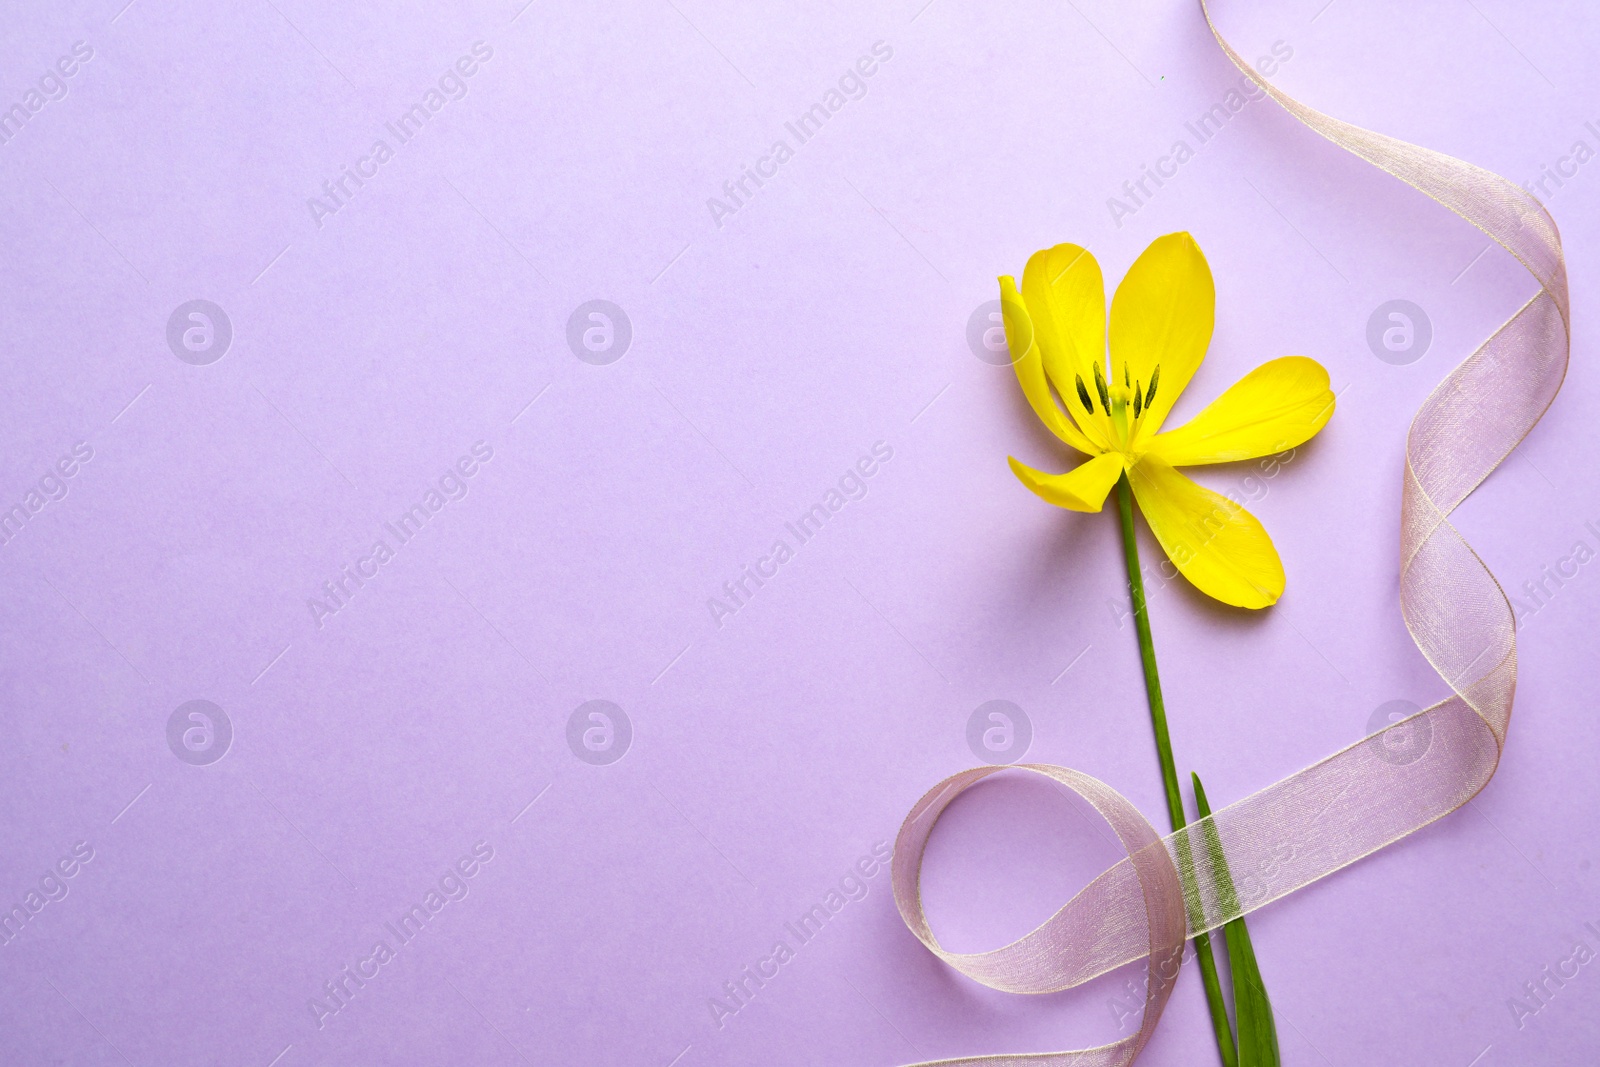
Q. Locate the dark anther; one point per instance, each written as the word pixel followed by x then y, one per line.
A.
pixel 1100 387
pixel 1150 394
pixel 1083 394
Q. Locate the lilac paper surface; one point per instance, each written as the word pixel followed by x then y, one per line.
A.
pixel 402 347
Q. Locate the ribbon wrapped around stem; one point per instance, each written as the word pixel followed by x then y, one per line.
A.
pixel 1361 798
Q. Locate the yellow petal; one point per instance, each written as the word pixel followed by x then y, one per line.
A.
pixel 1028 364
pixel 1066 297
pixel 1161 317
pixel 1276 406
pixel 1218 545
pixel 1083 488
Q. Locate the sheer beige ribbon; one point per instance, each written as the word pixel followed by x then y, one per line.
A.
pixel 1383 787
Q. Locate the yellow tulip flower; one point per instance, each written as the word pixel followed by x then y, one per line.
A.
pixel 1112 410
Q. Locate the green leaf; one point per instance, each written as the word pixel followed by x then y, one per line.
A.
pixel 1226 1048
pixel 1258 1036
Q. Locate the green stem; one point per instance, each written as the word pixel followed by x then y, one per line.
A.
pixel 1169 773
pixel 1147 652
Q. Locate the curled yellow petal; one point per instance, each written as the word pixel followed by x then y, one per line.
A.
pixel 1218 545
pixel 1161 321
pixel 1028 363
pixel 1084 488
pixel 1066 297
pixel 1278 405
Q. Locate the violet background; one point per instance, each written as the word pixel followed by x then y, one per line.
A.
pixel 768 354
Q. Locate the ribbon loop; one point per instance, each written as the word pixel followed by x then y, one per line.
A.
pixel 1064 951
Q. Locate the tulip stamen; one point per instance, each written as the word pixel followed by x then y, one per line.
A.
pixel 1083 394
pixel 1100 387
